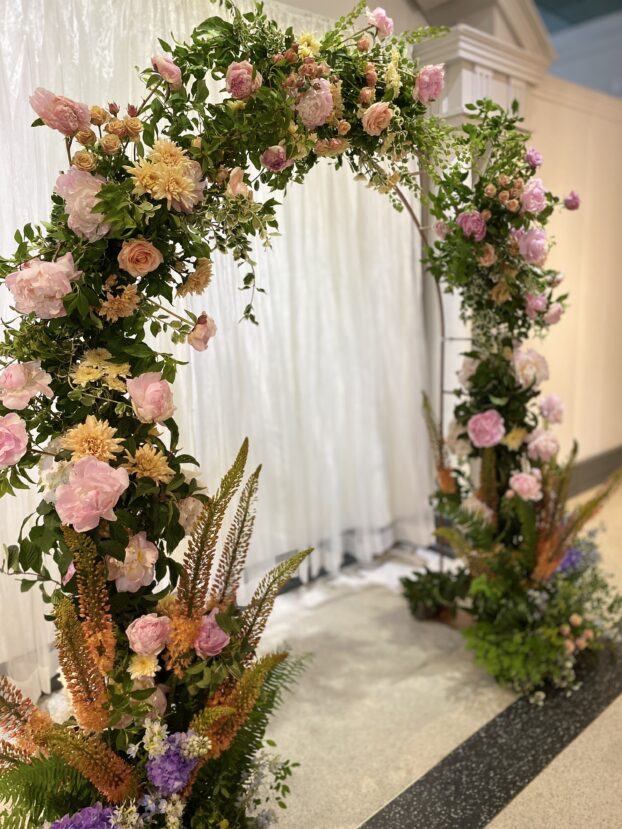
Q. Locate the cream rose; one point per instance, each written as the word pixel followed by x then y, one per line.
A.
pixel 377 118
pixel 139 257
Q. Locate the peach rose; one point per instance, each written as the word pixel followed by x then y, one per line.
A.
pixel 237 187
pixel 202 332
pixel 13 440
pixel 152 397
pixel 139 257
pixel 377 118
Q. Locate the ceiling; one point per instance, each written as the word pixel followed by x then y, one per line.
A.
pixel 560 14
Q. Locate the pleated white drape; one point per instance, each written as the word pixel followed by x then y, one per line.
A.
pixel 327 387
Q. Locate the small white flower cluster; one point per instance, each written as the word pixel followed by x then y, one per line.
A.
pixel 154 738
pixel 127 817
pixel 195 746
pixel 257 797
pixel 173 812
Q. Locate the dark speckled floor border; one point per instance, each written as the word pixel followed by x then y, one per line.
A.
pixel 480 777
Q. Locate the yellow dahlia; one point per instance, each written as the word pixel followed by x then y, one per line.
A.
pixel 141 666
pixel 167 152
pixel 123 305
pixel 199 280
pixel 515 438
pixel 93 437
pixel 149 462
pixel 84 374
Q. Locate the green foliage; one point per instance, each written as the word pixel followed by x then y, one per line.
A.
pixel 430 592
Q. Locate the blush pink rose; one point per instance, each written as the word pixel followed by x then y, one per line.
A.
pixel 139 257
pixel 554 314
pixel 486 429
pixel 429 83
pixel 275 159
pixel 381 20
pixel 79 189
pixel 535 304
pixel 242 80
pixel 202 332
pixel 189 510
pixel 377 118
pixel 152 397
pixel 533 158
pixel 91 493
pixel 237 188
pixel 148 635
pixel 533 245
pixel 211 639
pixel 533 197
pixel 552 408
pixel 60 113
pixel 21 382
pixel 467 370
pixel 441 229
pixel 527 485
pixel 472 223
pixel 137 568
pixel 572 201
pixel 13 440
pixel 167 69
pixel 530 367
pixel 542 445
pixel 488 257
pixel 315 106
pixel 39 288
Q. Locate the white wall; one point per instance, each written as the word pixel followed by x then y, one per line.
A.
pixel 579 133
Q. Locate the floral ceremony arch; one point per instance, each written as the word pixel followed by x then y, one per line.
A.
pixel 169 699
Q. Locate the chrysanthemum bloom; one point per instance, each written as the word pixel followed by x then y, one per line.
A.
pixel 122 305
pixel 20 382
pixel 199 280
pixel 60 113
pixel 142 666
pixel 149 462
pixel 93 437
pixel 515 438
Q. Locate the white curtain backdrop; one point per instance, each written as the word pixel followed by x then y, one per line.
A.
pixel 327 387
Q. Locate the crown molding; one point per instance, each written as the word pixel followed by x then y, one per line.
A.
pixel 585 101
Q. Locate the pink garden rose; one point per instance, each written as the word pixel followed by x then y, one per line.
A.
pixel 552 408
pixel 39 288
pixel 486 429
pixel 148 635
pixel 533 158
pixel 60 113
pixel 189 510
pixel 554 314
pixel 527 485
pixel 167 69
pixel 441 229
pixel 152 397
pixel 211 639
pixel 90 494
pixel 530 367
pixel 535 304
pixel 429 83
pixel 383 23
pixel 572 201
pixel 533 197
pixel 20 382
pixel 275 159
pixel 202 332
pixel 79 189
pixel 377 118
pixel 240 80
pixel 467 370
pixel 237 187
pixel 315 106
pixel 139 257
pixel 137 568
pixel 533 245
pixel 13 440
pixel 472 224
pixel 543 445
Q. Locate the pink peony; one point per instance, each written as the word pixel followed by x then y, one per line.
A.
pixel 441 229
pixel 168 69
pixel 189 510
pixel 39 288
pixel 377 118
pixel 152 398
pixel 60 113
pixel 533 197
pixel 137 568
pixel 315 106
pixel 554 314
pixel 486 429
pixel 91 493
pixel 572 201
pixel 148 635
pixel 429 83
pixel 242 80
pixel 275 159
pixel 530 367
pixel 13 440
pixel 527 485
pixel 202 332
pixel 211 639
pixel 21 382
pixel 467 370
pixel 535 304
pixel 532 245
pixel 79 189
pixel 237 187
pixel 383 23
pixel 533 158
pixel 472 224
pixel 543 445
pixel 552 408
